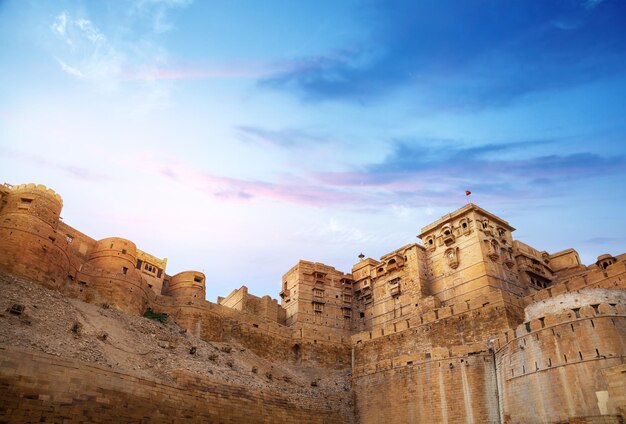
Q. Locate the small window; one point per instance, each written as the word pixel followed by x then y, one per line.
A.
pixel 26 201
pixel 197 279
pixel 123 251
pixel 318 292
pixel 430 241
pixel 464 225
pixel 69 238
pixel 124 270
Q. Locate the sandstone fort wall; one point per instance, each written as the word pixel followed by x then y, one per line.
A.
pixel 42 388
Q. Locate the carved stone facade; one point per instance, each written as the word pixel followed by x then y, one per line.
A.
pixel 468 326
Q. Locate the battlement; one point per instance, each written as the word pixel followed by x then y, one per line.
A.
pixel 40 188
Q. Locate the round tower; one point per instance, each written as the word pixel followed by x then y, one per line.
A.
pixel 34 201
pixel 187 284
pixel 114 255
pixel 31 246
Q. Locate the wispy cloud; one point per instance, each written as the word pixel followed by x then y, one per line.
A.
pixel 234 189
pixel 88 54
pixel 286 137
pixel 430 169
pixel 128 48
pixel 602 240
pixel 461 55
pixel 157 12
pixel 74 171
pixel 416 174
pixel 247 70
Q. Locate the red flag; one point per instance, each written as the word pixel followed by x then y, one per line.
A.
pixel 467 192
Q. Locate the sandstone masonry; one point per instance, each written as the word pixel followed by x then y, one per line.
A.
pixel 468 326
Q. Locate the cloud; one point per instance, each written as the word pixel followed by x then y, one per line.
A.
pixel 71 170
pixel 466 55
pixel 415 174
pixel 69 69
pixel 602 240
pixel 288 137
pixel 128 48
pixel 250 70
pixel 157 12
pixel 88 54
pixel 429 170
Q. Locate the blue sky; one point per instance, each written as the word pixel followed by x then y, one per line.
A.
pixel 236 137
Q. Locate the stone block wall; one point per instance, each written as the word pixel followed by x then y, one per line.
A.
pixel 36 387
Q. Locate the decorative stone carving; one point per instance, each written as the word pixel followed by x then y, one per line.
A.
pixel 452 256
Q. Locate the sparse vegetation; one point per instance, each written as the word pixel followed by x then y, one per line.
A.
pixel 157 316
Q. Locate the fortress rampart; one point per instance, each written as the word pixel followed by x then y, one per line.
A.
pixel 468 326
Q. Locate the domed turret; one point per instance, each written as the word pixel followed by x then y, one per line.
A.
pixel 187 284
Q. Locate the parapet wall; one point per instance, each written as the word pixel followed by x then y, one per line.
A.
pixel 42 388
pixel 247 303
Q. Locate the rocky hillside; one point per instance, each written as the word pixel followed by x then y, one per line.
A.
pixel 69 328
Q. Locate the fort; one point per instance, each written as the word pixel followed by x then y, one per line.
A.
pixel 467 326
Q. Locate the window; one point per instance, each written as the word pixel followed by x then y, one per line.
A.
pixel 69 238
pixel 318 292
pixel 347 298
pixel 197 279
pixel 318 307
pixel 123 251
pixel 124 270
